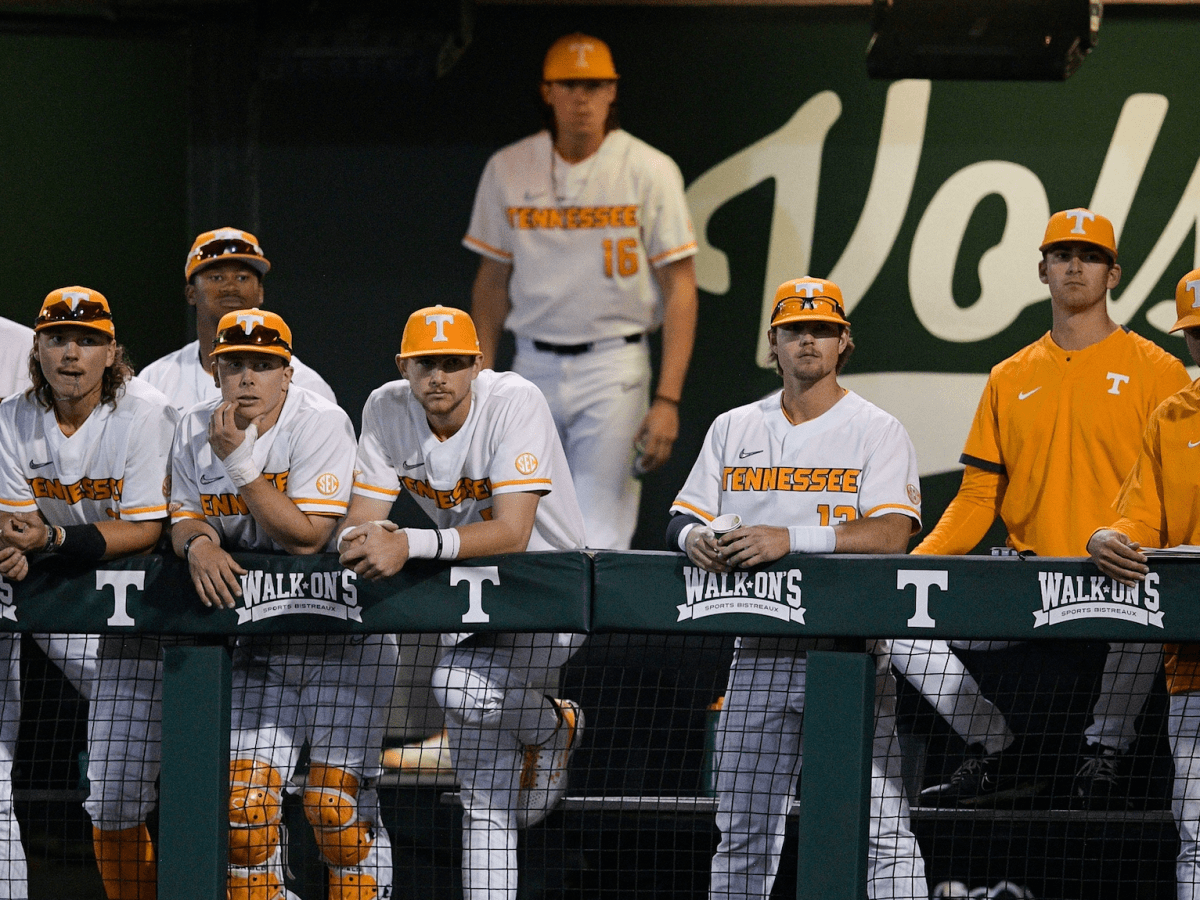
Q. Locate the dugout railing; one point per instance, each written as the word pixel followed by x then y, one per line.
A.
pixel 847 598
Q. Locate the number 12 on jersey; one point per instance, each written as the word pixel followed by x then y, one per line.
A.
pixel 626 258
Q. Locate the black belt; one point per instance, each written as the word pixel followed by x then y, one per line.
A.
pixel 576 349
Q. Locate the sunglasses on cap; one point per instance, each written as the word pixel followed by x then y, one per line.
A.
pixel 794 305
pixel 224 247
pixel 62 313
pixel 259 336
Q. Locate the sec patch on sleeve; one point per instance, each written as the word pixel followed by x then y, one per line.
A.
pixel 526 463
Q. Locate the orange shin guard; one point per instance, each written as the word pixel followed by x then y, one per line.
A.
pixel 126 860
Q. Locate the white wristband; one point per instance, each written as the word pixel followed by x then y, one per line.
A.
pixel 239 464
pixel 342 536
pixel 812 538
pixel 423 543
pixel 429 543
pixel 451 543
pixel 683 534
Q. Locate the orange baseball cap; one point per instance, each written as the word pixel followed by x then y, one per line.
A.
pixel 76 306
pixel 1082 226
pixel 808 300
pixel 253 331
pixel 439 331
pixel 579 57
pixel 1187 301
pixel 224 244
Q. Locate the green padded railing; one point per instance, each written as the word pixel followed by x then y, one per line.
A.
pixel 821 596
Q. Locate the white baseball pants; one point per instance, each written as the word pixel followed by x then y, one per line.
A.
pixel 759 754
pixel 491 714
pixel 124 742
pixel 598 400
pixel 334 693
pixel 13 870
pixel 1183 729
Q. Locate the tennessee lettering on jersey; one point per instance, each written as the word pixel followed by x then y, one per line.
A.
pixel 83 489
pixel 530 217
pixel 787 478
pixel 466 489
pixel 233 504
pixel 223 505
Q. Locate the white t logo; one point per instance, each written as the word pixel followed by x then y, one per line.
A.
pixel 808 288
pixel 474 576
pixel 248 321
pixel 1191 286
pixel 121 581
pixel 74 298
pixel 581 49
pixel 1080 215
pixel 438 320
pixel 1117 381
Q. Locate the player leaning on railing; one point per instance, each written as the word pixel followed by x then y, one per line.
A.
pixel 1159 506
pixel 873 508
pixel 479 453
pixel 1055 434
pixel 83 457
pixel 268 467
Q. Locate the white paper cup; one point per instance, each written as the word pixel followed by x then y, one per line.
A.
pixel 725 524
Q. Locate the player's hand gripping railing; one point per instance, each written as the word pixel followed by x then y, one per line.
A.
pixel 844 597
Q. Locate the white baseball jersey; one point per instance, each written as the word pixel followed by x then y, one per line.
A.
pixel 15 343
pixel 508 444
pixel 582 238
pixel 180 376
pixel 113 467
pixel 308 454
pixel 854 460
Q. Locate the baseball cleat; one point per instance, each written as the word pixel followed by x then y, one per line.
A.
pixel 1098 783
pixel 431 755
pixel 990 779
pixel 544 770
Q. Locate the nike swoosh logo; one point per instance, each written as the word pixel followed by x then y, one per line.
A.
pixel 533 195
pixel 1025 394
pixel 34 465
pixel 204 479
pixel 415 465
pixel 744 454
pixel 1193 443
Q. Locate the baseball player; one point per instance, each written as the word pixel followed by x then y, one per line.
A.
pixel 586 245
pixel 1157 508
pixel 1055 434
pixel 15 341
pixel 224 271
pixel 268 467
pixel 872 507
pixel 83 458
pixel 74 654
pixel 479 453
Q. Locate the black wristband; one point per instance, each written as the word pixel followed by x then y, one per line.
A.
pixel 187 545
pixel 83 542
pixel 676 524
pixel 439 537
pixel 53 538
